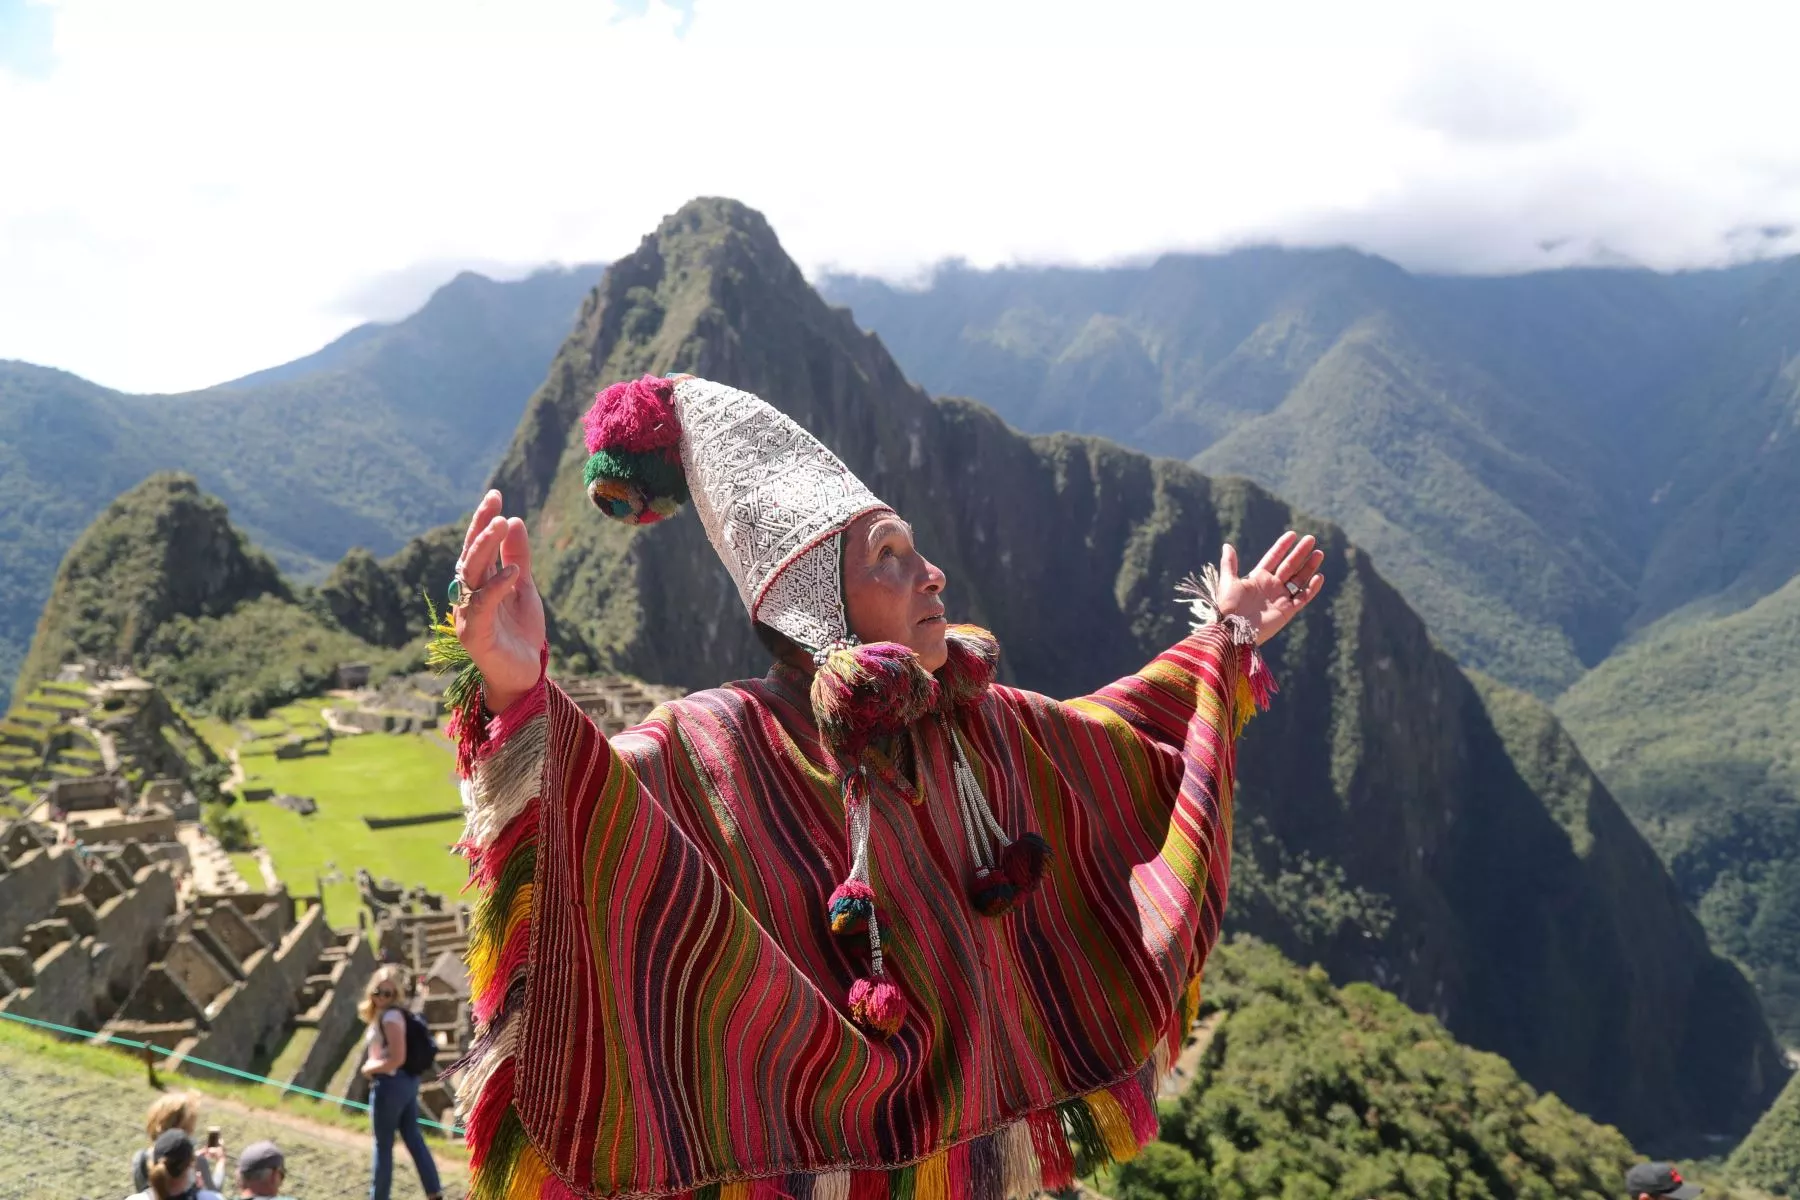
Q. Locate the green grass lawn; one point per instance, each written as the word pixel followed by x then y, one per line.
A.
pixel 218 734
pixel 247 868
pixel 293 1053
pixel 378 774
pixel 302 717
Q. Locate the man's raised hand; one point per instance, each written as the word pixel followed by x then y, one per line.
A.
pixel 502 625
pixel 1262 597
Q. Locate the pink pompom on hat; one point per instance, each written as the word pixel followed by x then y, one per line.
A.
pixel 772 499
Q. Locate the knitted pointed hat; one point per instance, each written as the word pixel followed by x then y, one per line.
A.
pixel 772 499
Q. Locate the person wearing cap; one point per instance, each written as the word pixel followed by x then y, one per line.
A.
pixel 174 1170
pixel 261 1170
pixel 176 1110
pixel 874 924
pixel 1659 1181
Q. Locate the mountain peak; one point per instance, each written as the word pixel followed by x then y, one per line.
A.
pixel 163 549
pixel 705 214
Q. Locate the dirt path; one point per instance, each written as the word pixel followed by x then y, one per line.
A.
pixel 1187 1063
pixel 270 879
pixel 212 867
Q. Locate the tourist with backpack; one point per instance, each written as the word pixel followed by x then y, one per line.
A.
pixel 400 1049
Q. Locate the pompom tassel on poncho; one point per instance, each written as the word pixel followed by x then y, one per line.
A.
pixel 877 1005
pixel 860 693
pixel 850 907
pixel 633 437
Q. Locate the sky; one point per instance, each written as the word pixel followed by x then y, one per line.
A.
pixel 191 190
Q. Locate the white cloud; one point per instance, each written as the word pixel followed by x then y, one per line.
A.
pixel 199 188
pixel 1473 96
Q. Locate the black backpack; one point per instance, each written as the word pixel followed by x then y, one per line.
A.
pixel 421 1047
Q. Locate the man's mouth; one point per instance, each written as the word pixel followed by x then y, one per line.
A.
pixel 933 619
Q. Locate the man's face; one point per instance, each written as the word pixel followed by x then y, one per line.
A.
pixel 263 1183
pixel 894 593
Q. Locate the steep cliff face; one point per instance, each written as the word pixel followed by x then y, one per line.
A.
pixel 1387 828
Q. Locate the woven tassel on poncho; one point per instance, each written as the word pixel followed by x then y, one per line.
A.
pixel 1256 683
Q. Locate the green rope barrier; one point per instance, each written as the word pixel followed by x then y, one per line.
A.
pixel 113 1039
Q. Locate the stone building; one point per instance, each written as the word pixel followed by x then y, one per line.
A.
pixel 78 929
pixel 101 940
pixel 242 974
pixel 617 702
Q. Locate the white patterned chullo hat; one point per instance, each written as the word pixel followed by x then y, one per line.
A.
pixel 773 500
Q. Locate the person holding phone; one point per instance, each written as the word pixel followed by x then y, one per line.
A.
pixel 173 1170
pixel 178 1110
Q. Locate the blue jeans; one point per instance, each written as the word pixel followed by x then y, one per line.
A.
pixel 394 1108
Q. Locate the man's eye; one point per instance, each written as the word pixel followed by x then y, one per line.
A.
pixel 886 552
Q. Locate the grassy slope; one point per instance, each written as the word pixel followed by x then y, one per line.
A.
pixel 1309 1092
pixel 75 1112
pixel 1708 697
pixel 1461 493
pixel 1770 1156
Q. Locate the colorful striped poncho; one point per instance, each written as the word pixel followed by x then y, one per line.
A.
pixel 661 1005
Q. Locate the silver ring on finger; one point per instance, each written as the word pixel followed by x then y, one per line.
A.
pixel 1294 590
pixel 460 594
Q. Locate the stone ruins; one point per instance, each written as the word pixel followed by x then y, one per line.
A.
pixel 616 702
pixel 100 939
pixel 119 914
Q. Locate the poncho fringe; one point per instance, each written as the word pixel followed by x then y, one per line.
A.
pixel 1047 1149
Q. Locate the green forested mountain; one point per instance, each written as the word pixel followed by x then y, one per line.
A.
pixel 1697 728
pixel 378 436
pixel 1542 463
pixel 1306 1090
pixel 1560 471
pixel 1399 823
pixel 163 582
pixel 1769 1158
pixel 1394 825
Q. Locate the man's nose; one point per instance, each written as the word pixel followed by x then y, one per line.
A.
pixel 934 578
